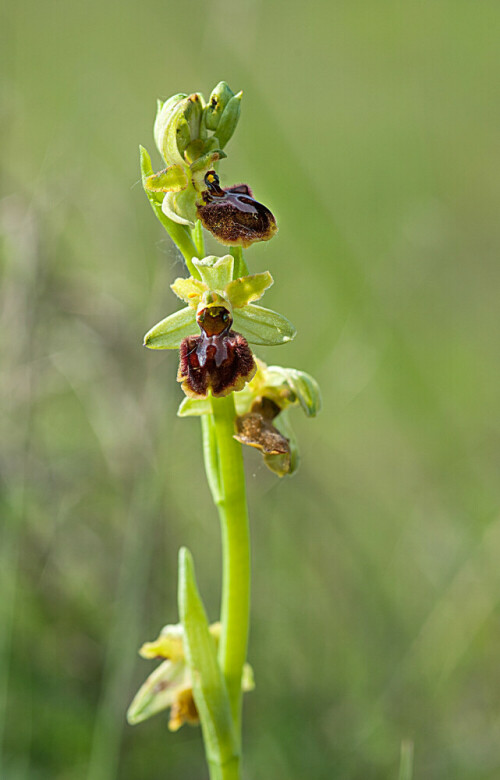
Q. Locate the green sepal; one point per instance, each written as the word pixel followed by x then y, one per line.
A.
pixel 158 692
pixel 229 120
pixel 216 272
pixel 277 462
pixel 306 389
pixel 207 161
pixel 172 179
pixel 194 407
pixel 220 97
pixel 165 128
pixel 189 290
pixel 209 687
pixel 169 333
pixel 248 288
pixel 193 113
pixel 180 206
pixel 262 326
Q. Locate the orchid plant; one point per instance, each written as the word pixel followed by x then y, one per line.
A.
pixel 239 400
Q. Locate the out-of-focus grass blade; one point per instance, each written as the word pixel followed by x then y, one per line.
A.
pixel 406 762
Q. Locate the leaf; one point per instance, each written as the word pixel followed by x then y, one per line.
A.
pixel 262 326
pixel 248 288
pixel 169 333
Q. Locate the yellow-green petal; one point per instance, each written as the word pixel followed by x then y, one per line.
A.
pixel 169 644
pixel 189 290
pixel 172 179
pixel 247 289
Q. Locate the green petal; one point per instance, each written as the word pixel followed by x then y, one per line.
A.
pixel 169 644
pixel 159 691
pixel 172 179
pixel 248 288
pixel 262 326
pixel 189 290
pixel 169 333
pixel 216 272
pixel 247 679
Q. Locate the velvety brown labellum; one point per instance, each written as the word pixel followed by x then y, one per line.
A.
pixel 221 363
pixel 232 215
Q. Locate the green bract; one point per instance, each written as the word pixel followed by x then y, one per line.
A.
pixel 217 288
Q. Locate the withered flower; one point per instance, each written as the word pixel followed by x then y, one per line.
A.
pixel 232 215
pixel 256 429
pixel 170 685
pixel 262 409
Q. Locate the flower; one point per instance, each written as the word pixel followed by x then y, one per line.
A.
pixel 232 215
pixel 170 684
pixel 213 357
pixel 262 409
pixel 188 188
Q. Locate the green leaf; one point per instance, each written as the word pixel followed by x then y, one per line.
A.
pixel 172 179
pixel 216 272
pixel 209 688
pixel 262 326
pixel 169 333
pixel 248 288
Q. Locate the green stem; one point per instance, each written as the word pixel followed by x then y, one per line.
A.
pixel 240 266
pixel 230 771
pixel 232 506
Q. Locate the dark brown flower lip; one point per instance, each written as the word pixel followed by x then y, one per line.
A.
pixel 220 364
pixel 232 215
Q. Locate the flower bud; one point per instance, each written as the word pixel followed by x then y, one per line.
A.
pixel 229 120
pixel 218 101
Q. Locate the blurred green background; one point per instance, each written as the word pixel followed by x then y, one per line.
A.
pixel 371 130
